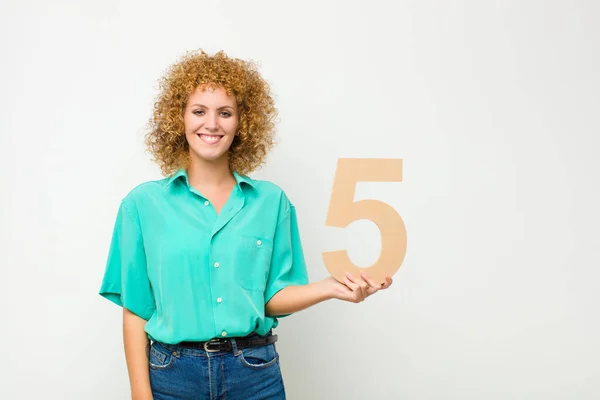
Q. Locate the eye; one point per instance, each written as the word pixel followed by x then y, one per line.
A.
pixel 199 112
pixel 226 114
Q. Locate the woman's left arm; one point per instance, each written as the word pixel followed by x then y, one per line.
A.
pixel 292 299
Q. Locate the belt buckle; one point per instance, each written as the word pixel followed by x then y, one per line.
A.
pixel 207 344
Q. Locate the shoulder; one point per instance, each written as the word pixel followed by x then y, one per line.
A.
pixel 143 191
pixel 273 195
pixel 269 189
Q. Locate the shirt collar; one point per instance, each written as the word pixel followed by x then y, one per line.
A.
pixel 179 173
pixel 244 179
pixel 182 172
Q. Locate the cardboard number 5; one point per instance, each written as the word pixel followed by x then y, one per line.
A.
pixel 343 210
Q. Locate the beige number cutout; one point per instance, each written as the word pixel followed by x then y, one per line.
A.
pixel 343 210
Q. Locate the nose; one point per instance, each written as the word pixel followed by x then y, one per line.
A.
pixel 211 123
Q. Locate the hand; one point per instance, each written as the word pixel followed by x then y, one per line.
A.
pixel 354 289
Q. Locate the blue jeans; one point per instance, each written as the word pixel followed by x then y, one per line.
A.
pixel 185 373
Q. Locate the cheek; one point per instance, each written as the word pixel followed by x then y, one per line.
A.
pixel 230 125
pixel 188 124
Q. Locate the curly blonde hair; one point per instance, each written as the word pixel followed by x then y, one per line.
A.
pixel 166 140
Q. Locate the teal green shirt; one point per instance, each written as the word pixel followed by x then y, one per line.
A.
pixel 194 274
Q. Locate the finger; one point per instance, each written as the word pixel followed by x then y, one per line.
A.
pixel 370 281
pixel 373 285
pixel 354 293
pixel 353 286
pixel 359 281
pixel 357 286
pixel 382 286
pixel 371 291
pixel 363 287
pixel 387 283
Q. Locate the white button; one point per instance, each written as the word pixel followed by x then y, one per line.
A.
pixel 206 203
pixel 223 333
pixel 219 300
pixel 258 242
pixel 217 265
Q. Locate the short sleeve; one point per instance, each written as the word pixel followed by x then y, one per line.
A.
pixel 288 266
pixel 125 281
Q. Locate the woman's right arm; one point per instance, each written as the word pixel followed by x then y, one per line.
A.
pixel 136 342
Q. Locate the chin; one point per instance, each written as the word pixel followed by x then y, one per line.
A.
pixel 208 156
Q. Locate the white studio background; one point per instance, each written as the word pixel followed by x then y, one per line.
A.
pixel 492 105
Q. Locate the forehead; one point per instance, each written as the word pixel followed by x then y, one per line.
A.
pixel 213 95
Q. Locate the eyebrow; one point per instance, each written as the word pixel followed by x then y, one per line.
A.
pixel 220 108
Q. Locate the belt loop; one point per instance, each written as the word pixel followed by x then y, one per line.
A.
pixel 234 346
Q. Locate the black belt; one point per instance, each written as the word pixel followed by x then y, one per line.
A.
pixel 225 345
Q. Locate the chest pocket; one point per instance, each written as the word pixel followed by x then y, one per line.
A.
pixel 253 261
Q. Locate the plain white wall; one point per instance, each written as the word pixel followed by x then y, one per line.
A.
pixel 492 105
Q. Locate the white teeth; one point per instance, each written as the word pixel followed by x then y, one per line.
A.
pixel 210 139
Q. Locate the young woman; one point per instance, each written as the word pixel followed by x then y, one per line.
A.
pixel 204 261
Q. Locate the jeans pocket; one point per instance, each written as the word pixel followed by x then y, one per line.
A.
pixel 160 357
pixel 259 357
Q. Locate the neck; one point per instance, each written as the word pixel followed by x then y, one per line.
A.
pixel 209 174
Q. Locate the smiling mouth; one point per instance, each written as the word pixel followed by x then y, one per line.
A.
pixel 210 139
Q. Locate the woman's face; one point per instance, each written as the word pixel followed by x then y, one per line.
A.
pixel 211 120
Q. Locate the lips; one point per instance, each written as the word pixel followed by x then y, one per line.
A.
pixel 210 139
